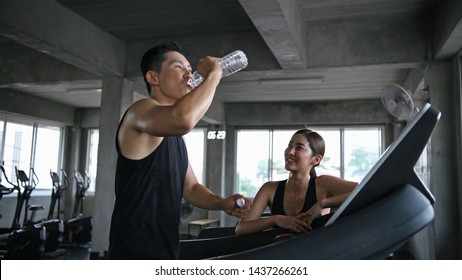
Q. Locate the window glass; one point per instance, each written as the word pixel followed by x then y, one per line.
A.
pixel 280 142
pixel 252 160
pixel 2 124
pixel 195 144
pixel 47 155
pixel 363 148
pixel 331 162
pixel 17 150
pixel 92 157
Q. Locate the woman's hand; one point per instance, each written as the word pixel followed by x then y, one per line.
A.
pixel 294 223
pixel 312 213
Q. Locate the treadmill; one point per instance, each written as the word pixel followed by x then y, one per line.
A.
pixel 388 207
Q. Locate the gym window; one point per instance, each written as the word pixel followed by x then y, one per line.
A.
pixel 350 154
pixel 27 145
pixel 195 143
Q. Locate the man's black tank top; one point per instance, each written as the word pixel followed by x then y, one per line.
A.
pixel 278 199
pixel 146 217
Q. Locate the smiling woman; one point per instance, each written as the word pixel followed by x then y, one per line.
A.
pixel 301 198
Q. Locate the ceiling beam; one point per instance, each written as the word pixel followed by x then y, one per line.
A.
pixel 447 31
pixel 281 26
pixel 23 65
pixel 50 28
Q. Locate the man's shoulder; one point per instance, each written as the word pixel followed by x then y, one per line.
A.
pixel 143 103
pixel 138 109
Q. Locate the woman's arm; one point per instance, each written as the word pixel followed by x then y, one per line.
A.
pixel 253 222
pixel 331 186
pixel 331 192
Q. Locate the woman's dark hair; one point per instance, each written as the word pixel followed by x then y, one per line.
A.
pixel 154 57
pixel 316 143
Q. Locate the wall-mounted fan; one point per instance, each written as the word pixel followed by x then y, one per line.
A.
pixel 398 101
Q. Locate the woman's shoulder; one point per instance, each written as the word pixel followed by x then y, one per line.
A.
pixel 270 185
pixel 325 178
pixel 332 183
pixel 275 183
pixel 267 191
pixel 330 178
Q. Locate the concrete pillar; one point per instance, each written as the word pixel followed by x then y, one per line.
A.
pixel 72 144
pixel 117 96
pixel 215 156
pixel 444 168
pixel 457 65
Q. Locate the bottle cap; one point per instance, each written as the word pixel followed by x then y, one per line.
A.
pixel 240 202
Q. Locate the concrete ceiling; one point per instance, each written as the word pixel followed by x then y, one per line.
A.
pixel 298 50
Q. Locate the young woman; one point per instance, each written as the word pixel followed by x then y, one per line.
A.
pixel 303 197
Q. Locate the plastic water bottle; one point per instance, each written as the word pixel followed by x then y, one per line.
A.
pixel 230 64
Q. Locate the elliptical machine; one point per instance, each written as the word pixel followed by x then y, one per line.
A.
pixel 5 190
pixel 54 227
pixel 83 184
pixel 78 228
pixel 59 186
pixel 27 187
pixel 27 243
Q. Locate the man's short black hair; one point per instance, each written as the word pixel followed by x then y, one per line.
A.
pixel 154 57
